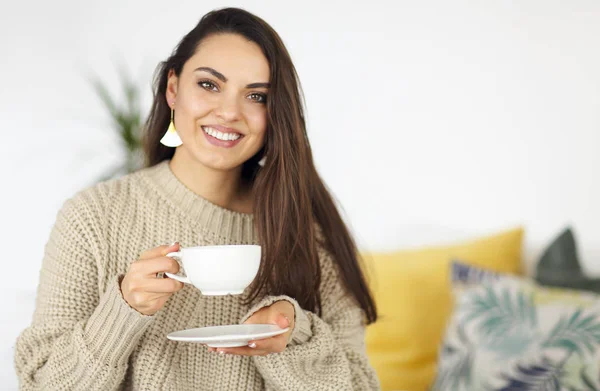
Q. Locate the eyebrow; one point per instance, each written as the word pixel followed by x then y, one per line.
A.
pixel 222 77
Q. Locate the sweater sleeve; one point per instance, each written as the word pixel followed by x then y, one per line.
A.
pixel 80 337
pixel 324 353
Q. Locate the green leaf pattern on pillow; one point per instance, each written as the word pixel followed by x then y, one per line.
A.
pixel 508 333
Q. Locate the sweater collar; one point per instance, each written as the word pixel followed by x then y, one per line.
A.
pixel 233 227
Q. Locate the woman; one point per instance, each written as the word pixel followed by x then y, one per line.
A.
pixel 235 167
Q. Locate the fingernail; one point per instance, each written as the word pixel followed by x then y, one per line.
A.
pixel 174 243
pixel 252 345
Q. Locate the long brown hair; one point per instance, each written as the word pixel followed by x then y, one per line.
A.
pixel 293 210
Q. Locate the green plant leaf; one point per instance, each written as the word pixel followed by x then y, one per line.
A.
pixel 105 97
pixel 575 333
pixel 501 315
pixel 455 373
pixel 589 383
pixel 126 118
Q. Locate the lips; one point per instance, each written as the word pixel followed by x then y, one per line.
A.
pixel 221 136
pixel 222 133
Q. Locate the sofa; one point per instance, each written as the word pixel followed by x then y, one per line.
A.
pixel 412 290
pixel 464 317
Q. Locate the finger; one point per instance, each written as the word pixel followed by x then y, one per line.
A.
pixel 256 318
pixel 160 251
pixel 167 285
pixel 274 344
pixel 155 265
pixel 283 321
pixel 242 351
pixel 158 297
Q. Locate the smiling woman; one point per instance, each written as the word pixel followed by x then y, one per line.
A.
pixel 216 110
pixel 228 163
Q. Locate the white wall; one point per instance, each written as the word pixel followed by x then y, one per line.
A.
pixel 430 121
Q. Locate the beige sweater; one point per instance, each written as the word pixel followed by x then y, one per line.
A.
pixel 84 336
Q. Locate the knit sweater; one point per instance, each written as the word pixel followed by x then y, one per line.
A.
pixel 84 335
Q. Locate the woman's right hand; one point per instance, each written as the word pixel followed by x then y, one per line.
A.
pixel 141 288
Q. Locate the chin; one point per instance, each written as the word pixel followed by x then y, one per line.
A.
pixel 218 163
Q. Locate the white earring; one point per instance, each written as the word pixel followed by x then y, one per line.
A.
pixel 262 161
pixel 171 138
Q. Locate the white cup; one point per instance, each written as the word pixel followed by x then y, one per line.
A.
pixel 218 270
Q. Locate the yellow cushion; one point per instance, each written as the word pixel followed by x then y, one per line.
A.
pixel 412 291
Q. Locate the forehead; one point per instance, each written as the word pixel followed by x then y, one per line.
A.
pixel 233 55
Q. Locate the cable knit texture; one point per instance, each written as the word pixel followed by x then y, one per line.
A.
pixel 84 336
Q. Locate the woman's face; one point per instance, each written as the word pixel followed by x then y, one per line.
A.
pixel 220 102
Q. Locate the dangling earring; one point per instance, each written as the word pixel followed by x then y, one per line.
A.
pixel 262 161
pixel 171 138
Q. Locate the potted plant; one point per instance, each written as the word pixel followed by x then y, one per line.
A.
pixel 127 121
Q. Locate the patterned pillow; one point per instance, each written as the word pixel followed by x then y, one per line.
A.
pixel 508 333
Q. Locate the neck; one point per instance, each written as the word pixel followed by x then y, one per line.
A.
pixel 220 187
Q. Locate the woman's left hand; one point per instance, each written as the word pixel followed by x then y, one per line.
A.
pixel 281 313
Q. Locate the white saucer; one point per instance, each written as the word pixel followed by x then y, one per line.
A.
pixel 227 336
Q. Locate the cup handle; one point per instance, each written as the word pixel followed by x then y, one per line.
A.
pixel 183 279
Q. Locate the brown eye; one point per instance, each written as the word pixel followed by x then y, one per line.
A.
pixel 259 98
pixel 208 85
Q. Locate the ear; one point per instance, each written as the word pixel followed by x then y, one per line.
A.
pixel 171 93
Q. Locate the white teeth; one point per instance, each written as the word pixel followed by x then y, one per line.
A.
pixel 221 135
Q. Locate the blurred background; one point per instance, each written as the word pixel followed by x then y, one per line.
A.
pixel 431 121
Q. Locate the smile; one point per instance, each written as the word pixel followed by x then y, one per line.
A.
pixel 220 135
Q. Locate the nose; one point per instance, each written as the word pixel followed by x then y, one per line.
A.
pixel 228 108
